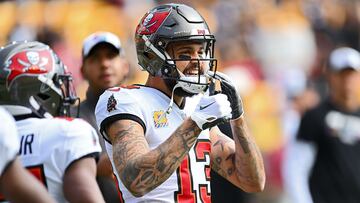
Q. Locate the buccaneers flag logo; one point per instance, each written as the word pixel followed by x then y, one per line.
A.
pixel 151 22
pixel 29 63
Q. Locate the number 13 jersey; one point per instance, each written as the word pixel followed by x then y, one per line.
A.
pixel 190 182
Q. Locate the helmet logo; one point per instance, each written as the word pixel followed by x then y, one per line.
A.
pixel 28 62
pixel 33 57
pixel 151 22
pixel 201 32
pixel 148 19
pixel 34 62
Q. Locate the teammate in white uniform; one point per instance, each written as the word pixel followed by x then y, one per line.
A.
pixel 60 152
pixel 16 183
pixel 160 152
pixel 8 140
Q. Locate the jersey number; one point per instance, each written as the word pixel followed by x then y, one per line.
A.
pixel 38 172
pixel 186 191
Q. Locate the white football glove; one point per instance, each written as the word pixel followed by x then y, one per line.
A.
pixel 211 111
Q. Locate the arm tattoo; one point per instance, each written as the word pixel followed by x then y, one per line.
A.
pixel 141 169
pixel 248 160
pixel 224 165
pixel 238 160
pixel 244 143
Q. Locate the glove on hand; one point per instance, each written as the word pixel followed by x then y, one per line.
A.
pixel 228 88
pixel 211 111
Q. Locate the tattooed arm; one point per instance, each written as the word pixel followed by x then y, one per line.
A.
pixel 239 160
pixel 141 169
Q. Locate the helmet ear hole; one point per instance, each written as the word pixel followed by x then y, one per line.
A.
pixel 43 97
pixel 169 71
pixel 165 70
pixel 150 56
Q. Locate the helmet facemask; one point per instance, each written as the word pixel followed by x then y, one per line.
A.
pixel 191 79
pixel 68 91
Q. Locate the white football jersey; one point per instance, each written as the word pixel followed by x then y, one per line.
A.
pixel 191 181
pixel 49 146
pixel 9 142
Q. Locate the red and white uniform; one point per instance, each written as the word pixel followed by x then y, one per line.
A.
pixel 49 146
pixel 9 142
pixel 191 181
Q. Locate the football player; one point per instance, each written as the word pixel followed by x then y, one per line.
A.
pixel 161 152
pixel 16 184
pixel 59 151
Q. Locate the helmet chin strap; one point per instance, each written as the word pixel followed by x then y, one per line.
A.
pixel 169 109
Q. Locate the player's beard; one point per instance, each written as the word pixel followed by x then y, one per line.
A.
pixel 170 84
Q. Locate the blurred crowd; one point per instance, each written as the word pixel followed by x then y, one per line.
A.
pixel 275 50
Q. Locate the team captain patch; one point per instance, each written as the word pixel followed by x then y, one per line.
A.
pixel 160 119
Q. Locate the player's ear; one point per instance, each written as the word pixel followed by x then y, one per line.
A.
pixel 83 71
pixel 126 68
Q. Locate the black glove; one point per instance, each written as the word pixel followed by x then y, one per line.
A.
pixel 228 88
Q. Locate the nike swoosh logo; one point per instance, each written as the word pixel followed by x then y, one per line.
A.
pixel 204 107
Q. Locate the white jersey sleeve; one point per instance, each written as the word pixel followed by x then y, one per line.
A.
pixel 119 103
pixel 9 141
pixel 81 141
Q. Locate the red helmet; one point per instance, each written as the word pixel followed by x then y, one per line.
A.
pixel 34 80
pixel 169 23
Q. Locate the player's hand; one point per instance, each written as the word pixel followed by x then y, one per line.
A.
pixel 228 88
pixel 211 111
